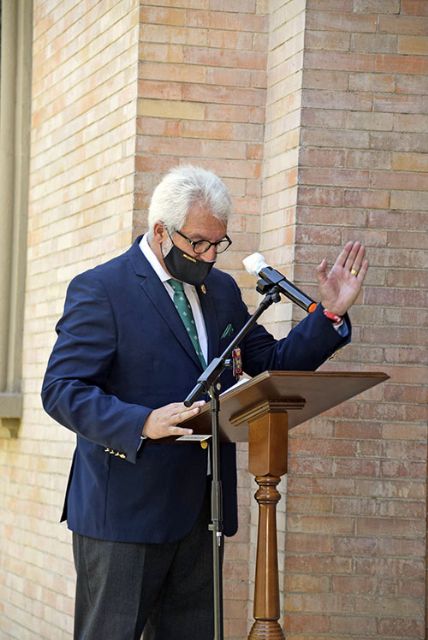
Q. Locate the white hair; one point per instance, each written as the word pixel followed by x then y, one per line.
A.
pixel 183 187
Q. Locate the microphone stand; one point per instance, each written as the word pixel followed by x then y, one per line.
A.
pixel 207 383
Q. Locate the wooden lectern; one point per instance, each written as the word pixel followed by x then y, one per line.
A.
pixel 261 411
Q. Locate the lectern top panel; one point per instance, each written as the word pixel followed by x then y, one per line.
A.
pixel 302 394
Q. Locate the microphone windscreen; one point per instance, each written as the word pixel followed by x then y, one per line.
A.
pixel 254 263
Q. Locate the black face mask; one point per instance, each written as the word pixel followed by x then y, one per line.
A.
pixel 186 268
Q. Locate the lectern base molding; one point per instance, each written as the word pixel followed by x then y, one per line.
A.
pixel 266 629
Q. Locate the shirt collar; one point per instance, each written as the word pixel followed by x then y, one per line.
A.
pixel 152 259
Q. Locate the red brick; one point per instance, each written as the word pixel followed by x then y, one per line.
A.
pixel 226 20
pixel 333 176
pixel 330 5
pixel 300 622
pixel 312 505
pixel 412 25
pixel 404 277
pixel 318 564
pixel 412 547
pixel 377 6
pixel 414 7
pixel 354 584
pixel 327 40
pixel 329 216
pixel 222 58
pixel 360 546
pixel 337 139
pixel 353 625
pixel 309 584
pixel 412 65
pixel 358 430
pixel 322 524
pixel 320 196
pixel 319 603
pixel 320 485
pixel 390 567
pixel 357 468
pixel 374 43
pixel 389 526
pixel 306 542
pixel 337 61
pixel 354 506
pixel 401 180
pixel 340 21
pixel 322 157
pixel 324 447
pixel 413 588
pixel 337 100
pixel 367 199
pixel 371 82
pixel 401 627
pixel 308 466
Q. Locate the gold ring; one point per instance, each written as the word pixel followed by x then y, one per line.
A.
pixel 354 272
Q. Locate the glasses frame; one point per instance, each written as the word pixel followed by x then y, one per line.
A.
pixel 194 243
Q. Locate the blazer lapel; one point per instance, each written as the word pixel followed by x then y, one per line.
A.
pixel 156 292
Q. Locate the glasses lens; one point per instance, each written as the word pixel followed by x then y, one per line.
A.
pixel 223 245
pixel 201 246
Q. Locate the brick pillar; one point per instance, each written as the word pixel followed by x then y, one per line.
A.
pixel 355 546
pixel 201 101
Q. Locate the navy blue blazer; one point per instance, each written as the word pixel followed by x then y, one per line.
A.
pixel 122 351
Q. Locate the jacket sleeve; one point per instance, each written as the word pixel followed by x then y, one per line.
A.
pixel 73 388
pixel 312 341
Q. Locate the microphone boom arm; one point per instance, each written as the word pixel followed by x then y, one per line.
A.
pixel 217 365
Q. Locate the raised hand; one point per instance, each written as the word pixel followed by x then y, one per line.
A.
pixel 340 286
pixel 163 422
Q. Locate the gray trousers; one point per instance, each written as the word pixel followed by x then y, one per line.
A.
pixel 164 589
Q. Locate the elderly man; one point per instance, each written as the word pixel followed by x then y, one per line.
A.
pixel 135 335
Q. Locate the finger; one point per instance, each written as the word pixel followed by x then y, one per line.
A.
pixel 186 413
pixel 321 270
pixel 352 255
pixel 177 408
pixel 343 255
pixel 179 431
pixel 359 258
pixel 180 406
pixel 363 270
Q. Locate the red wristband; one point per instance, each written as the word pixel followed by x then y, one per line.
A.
pixel 332 316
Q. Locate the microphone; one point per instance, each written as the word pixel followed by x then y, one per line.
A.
pixel 256 265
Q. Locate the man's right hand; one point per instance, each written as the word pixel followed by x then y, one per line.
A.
pixel 163 422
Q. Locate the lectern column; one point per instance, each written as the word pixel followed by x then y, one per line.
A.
pixel 268 440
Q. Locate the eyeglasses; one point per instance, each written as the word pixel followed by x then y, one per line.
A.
pixel 202 246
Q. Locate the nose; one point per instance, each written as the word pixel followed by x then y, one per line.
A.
pixel 210 255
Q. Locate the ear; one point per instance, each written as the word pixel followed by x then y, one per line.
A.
pixel 159 232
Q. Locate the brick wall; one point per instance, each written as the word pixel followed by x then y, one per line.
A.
pixel 85 62
pixel 355 563
pixel 279 196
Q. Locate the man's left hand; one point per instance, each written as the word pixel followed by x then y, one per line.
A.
pixel 339 287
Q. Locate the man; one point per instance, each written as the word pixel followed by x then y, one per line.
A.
pixel 135 335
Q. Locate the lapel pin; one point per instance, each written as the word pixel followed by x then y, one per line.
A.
pixel 227 332
pixel 203 289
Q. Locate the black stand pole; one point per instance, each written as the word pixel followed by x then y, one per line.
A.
pixel 216 526
pixel 207 383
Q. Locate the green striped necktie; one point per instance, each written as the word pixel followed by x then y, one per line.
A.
pixel 185 312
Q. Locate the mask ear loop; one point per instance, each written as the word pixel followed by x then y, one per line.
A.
pixel 167 239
